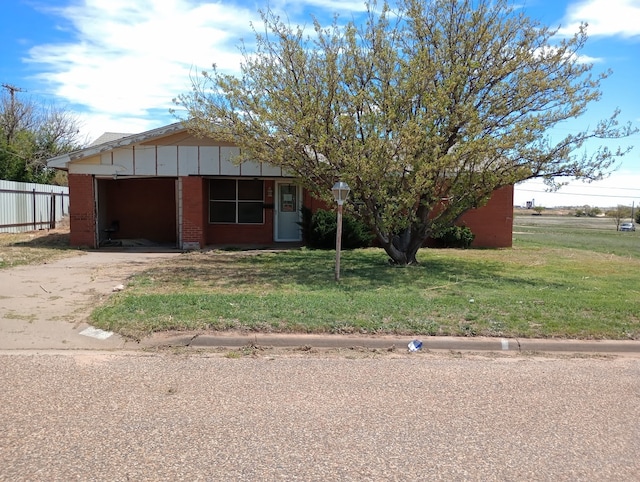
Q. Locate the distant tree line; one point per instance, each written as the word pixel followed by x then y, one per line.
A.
pixel 588 211
pixel 31 133
pixel 618 213
pixel 621 213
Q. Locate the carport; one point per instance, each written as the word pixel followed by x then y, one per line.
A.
pixel 136 211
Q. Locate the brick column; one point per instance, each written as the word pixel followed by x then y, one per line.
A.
pixel 82 212
pixel 193 213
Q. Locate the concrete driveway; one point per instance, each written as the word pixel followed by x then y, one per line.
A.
pixel 46 306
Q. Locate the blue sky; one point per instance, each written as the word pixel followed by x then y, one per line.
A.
pixel 118 63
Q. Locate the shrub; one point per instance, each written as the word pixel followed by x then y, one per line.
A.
pixel 319 230
pixel 323 230
pixel 538 210
pixel 454 237
pixel 588 211
pixel 305 224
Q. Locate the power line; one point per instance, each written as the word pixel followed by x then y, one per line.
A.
pixel 616 188
pixel 586 187
pixel 581 194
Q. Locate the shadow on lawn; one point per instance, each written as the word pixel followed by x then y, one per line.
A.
pixel 51 240
pixel 313 270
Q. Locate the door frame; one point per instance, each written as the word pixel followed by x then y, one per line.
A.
pixel 276 210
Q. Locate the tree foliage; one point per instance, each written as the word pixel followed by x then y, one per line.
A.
pixel 619 214
pixel 29 135
pixel 588 211
pixel 424 109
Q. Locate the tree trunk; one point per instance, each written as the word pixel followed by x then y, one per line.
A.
pixel 403 248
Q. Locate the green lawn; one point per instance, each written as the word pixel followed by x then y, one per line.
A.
pixel 559 280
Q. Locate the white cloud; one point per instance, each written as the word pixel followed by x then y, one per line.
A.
pixel 128 60
pixel 549 51
pixel 586 59
pixel 131 57
pixel 605 17
pixel 344 7
pixel 94 125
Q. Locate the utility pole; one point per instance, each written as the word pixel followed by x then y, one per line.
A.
pixel 12 92
pixel 10 118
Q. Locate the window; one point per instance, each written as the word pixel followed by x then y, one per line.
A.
pixel 236 201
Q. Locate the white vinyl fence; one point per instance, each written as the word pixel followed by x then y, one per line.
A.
pixel 28 207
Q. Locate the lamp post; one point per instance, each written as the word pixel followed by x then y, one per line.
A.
pixel 340 192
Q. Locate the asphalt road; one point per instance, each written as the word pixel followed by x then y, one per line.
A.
pixel 335 415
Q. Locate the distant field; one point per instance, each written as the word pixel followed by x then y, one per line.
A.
pixel 566 221
pixel 591 234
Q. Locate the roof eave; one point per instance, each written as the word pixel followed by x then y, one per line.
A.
pixel 62 162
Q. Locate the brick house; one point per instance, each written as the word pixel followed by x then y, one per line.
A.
pixel 168 187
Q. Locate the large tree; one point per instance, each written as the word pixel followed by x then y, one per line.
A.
pixel 424 110
pixel 31 133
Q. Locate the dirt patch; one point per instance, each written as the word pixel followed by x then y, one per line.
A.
pixel 35 247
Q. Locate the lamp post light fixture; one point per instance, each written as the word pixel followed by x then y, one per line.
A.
pixel 340 192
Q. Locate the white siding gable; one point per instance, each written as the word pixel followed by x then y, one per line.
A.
pixel 167 160
pixel 209 161
pixel 124 158
pixel 145 157
pixel 227 167
pixel 187 160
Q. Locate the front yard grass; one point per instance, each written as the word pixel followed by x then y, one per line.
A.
pixel 532 290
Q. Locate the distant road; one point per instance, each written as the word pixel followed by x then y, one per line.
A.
pixel 568 221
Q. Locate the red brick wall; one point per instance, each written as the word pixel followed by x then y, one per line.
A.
pixel 493 223
pixel 242 234
pixel 144 208
pixel 194 209
pixel 314 204
pixel 82 215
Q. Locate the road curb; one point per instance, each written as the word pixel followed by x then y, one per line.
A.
pixel 386 342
